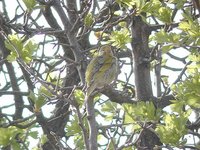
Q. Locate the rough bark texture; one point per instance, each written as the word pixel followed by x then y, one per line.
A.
pixel 141 59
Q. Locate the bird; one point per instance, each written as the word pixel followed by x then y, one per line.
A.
pixel 102 70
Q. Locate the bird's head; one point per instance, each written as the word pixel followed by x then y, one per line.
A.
pixel 105 50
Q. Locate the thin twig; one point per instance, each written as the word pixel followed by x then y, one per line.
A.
pixel 177 80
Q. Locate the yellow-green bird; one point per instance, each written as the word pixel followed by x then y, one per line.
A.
pixel 102 70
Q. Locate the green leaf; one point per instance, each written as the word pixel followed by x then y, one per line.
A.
pixel 193 100
pixel 39 103
pixel 16 146
pixel 179 4
pixel 12 57
pixel 120 38
pixel 142 111
pixel 73 128
pixel 129 118
pixel 194 58
pixel 79 96
pixel 43 139
pixel 88 20
pixel 173 129
pixel 184 25
pixel 19 49
pixel 111 144
pixel 14 43
pixel 187 92
pixel 123 24
pixel 7 136
pixel 191 27
pixel 74 131
pixel 109 107
pixel 128 148
pixel 139 5
pixel 79 142
pixel 32 96
pixel 43 91
pixel 34 134
pixel 36 148
pixel 40 100
pixel 164 14
pixel 177 106
pixel 152 6
pixel 51 77
pixel 126 3
pixel 28 49
pixel 30 4
pixel 163 37
pixel 167 48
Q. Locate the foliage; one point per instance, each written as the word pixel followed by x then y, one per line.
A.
pixel 79 96
pixel 142 112
pixel 75 132
pixel 29 4
pixel 19 49
pixel 174 127
pixel 187 93
pixel 120 38
pixel 8 136
pixel 88 20
pixel 39 100
pixel 46 47
pixel 169 40
pixel 13 136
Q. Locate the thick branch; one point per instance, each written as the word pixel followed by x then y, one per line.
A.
pixel 13 79
pixel 76 49
pixel 117 97
pixel 141 54
pixel 92 123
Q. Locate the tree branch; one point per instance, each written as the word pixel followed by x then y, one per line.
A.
pixel 13 79
pixel 92 123
pixel 76 49
pixel 178 78
pixel 117 96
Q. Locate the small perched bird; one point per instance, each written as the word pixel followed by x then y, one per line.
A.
pixel 102 70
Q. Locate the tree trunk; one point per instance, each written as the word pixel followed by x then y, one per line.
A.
pixel 141 59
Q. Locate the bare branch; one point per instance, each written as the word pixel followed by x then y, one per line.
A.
pixel 93 130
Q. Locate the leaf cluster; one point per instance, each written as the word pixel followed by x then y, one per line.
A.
pixel 173 128
pixel 20 49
